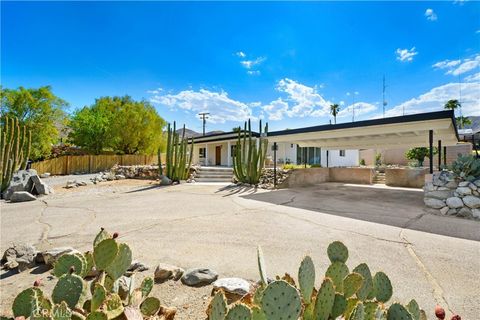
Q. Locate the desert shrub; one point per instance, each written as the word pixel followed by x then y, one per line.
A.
pixel 466 167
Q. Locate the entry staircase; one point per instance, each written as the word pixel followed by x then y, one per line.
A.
pixel 379 177
pixel 214 174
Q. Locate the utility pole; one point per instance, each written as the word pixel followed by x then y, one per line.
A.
pixel 204 116
pixel 383 96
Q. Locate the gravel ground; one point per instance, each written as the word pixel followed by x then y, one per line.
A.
pixel 56 181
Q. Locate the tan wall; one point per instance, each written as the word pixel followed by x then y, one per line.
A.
pixel 312 176
pixel 405 177
pixel 91 163
pixel 368 155
pixel 352 175
pixel 452 152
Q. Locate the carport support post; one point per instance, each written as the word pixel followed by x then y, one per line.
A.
pixel 430 144
pixel 274 165
pixel 439 154
pixel 445 156
pixel 305 156
pixel 327 158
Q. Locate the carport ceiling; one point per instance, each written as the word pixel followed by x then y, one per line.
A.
pixel 395 132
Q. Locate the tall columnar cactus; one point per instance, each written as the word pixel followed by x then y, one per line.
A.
pixel 249 156
pixel 70 298
pixel 15 145
pixel 177 160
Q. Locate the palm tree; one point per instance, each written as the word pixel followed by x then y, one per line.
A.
pixel 452 104
pixel 334 109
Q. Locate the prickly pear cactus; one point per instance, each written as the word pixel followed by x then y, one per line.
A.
pixel 339 306
pixel 102 235
pixel 70 288
pixel 325 300
pixel 261 266
pixel 358 312
pixel 98 297
pixel 382 287
pixel 351 284
pixel 121 262
pixel 104 253
pixel 337 251
pixel 218 307
pixel 30 302
pixel 398 312
pixel 61 311
pixel 414 309
pixel 306 278
pixel 239 312
pixel 113 306
pixel 67 261
pixel 150 306
pixel 90 263
pixel 146 286
pixel 257 314
pixel 97 315
pixel 281 300
pixel 366 291
pixel 337 271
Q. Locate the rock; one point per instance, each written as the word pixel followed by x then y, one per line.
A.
pixel 477 182
pixel 429 187
pixel 464 191
pixel 164 272
pixel 472 186
pixel 464 213
pixel 21 256
pixel 39 187
pixel 464 184
pixel 119 177
pixel 439 194
pixel 476 193
pixel 51 255
pixel 138 266
pixel 476 213
pixel 452 212
pixel 451 184
pixel 233 285
pixel 22 196
pixel 444 210
pixel 164 181
pixel 434 203
pixel 199 277
pixel 81 183
pixel 71 185
pixel 20 182
pixel 45 175
pixel 454 202
pixel 109 176
pixel 471 201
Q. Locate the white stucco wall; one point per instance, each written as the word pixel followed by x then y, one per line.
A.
pixel 350 159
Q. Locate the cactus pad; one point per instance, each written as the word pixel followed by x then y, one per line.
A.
pixel 337 271
pixel 132 313
pixel 146 286
pixel 306 278
pixel 257 314
pixel 339 306
pixel 382 287
pixel 261 266
pixel 398 312
pixel 104 253
pixel 414 309
pixel 102 235
pixel 218 307
pixel 29 302
pixel 150 306
pixel 77 316
pixel 351 303
pixel 98 297
pixel 121 263
pixel 325 300
pixel 337 251
pixel 90 264
pixel 358 312
pixel 281 301
pixel 97 315
pixel 70 288
pixel 66 261
pixel 61 311
pixel 351 284
pixel 239 312
pixel 113 306
pixel 366 290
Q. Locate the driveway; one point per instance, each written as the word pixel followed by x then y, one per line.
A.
pixel 431 258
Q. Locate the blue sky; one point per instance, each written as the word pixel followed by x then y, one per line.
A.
pixel 283 62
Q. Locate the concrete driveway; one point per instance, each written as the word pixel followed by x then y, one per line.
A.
pixel 431 258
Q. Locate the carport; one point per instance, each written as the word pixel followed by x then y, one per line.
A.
pixel 417 130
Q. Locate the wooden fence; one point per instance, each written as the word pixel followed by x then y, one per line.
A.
pixel 90 163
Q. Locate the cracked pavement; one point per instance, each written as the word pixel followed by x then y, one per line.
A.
pixel 431 258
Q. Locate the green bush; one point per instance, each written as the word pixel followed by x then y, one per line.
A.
pixel 466 167
pixel 362 162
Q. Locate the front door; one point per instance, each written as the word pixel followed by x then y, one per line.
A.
pixel 218 155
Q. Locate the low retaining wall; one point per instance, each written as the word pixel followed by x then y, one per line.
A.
pixel 405 177
pixel 312 176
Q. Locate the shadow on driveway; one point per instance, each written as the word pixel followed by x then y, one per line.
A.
pixel 402 208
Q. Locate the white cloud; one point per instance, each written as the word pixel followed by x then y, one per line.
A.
pixel 430 14
pixel 253 72
pixel 473 77
pixel 219 104
pixel 459 2
pixel 361 108
pixel 458 67
pixel 406 54
pixel 248 64
pixel 241 54
pixel 435 99
pixel 276 110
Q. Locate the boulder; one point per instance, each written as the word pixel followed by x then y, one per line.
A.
pixel 429 187
pixel 444 210
pixel 452 212
pixel 472 201
pixel 476 213
pixel 472 186
pixel 39 187
pixel 452 184
pixel 199 277
pixel 464 184
pixel 464 213
pixel 45 175
pixel 51 255
pixel 22 196
pixel 119 177
pixel 20 182
pixel 125 287
pixel 477 182
pixel 164 272
pixel 236 286
pixel 434 203
pixel 464 191
pixel 138 266
pixel 454 202
pixel 439 194
pixel 164 181
pixel 21 256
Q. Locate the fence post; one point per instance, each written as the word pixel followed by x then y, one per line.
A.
pixel 89 164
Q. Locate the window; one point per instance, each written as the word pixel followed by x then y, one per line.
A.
pixel 201 152
pixel 342 153
pixel 232 150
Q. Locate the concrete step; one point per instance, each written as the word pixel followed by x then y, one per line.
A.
pixel 213 176
pixel 215 169
pixel 197 179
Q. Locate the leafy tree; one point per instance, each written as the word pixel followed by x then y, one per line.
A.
pixel 419 154
pixel 40 110
pixel 121 123
pixel 334 109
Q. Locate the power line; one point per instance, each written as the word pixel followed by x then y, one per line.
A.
pixel 204 116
